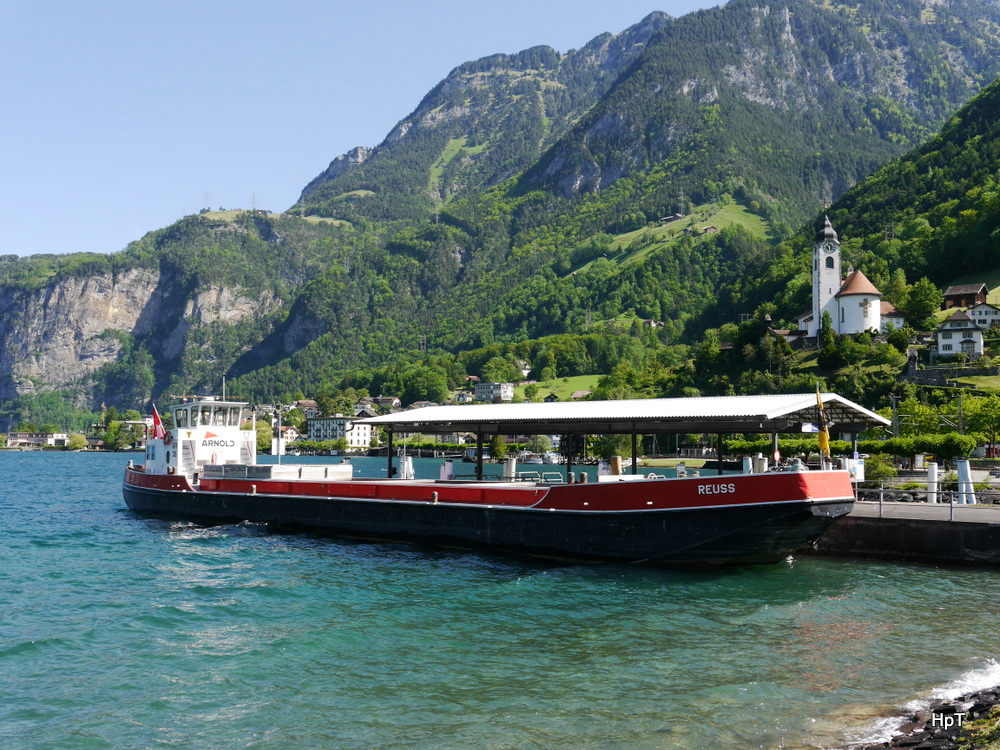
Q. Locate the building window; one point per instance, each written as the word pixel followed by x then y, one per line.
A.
pixel 829 262
pixel 946 335
pixel 946 348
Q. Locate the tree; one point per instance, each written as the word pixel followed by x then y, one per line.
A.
pixel 499 370
pixel 923 300
pixel 76 442
pixel 607 446
pixel 827 337
pixel 265 433
pixel 498 447
pixel 295 418
pixel 539 444
pixel 878 468
pixel 983 416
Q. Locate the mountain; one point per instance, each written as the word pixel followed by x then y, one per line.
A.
pixel 522 201
pixel 792 101
pixel 484 123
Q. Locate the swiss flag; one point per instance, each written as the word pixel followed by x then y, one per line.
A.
pixel 158 431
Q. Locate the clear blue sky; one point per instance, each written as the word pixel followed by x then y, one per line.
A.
pixel 121 116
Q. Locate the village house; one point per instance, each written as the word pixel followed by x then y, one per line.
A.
pixel 964 295
pixel 387 402
pixel 26 439
pixel 489 393
pixel 958 334
pixel 338 426
pixel 307 406
pixel 891 316
pixel 984 315
pixel 288 433
pixel 363 411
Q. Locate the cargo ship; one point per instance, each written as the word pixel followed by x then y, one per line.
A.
pixel 205 469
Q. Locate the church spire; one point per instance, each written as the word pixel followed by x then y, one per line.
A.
pixel 827 233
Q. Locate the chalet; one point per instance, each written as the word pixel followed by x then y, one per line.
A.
pixel 464 397
pixel 964 295
pixel 387 402
pixel 550 398
pixel 577 395
pixel 984 315
pixel 958 334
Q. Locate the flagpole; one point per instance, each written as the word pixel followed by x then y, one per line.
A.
pixel 824 431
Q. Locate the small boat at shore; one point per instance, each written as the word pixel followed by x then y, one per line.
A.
pixel 205 469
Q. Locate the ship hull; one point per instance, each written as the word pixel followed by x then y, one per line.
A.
pixel 596 523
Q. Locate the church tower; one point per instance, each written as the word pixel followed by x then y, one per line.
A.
pixel 826 276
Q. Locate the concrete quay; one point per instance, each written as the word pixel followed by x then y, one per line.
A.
pixel 915 532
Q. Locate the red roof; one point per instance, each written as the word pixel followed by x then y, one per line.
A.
pixel 858 283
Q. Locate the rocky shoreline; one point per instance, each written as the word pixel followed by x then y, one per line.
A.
pixel 969 722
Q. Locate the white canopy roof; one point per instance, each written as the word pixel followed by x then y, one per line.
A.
pixel 718 414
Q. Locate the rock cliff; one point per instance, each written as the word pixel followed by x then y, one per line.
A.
pixel 58 335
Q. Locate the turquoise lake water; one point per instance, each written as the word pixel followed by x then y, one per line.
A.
pixel 118 631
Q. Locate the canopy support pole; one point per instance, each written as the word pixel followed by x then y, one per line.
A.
pixel 718 451
pixel 635 454
pixel 479 455
pixel 388 454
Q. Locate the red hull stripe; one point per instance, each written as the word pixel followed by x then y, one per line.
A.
pixel 668 494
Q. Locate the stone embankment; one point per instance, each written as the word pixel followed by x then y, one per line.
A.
pixel 971 722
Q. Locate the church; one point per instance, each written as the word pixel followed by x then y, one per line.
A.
pixel 853 302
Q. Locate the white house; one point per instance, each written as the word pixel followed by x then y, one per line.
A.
pixel 892 316
pixel 492 392
pixel 958 334
pixel 338 426
pixel 307 406
pixel 984 315
pixel 16 439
